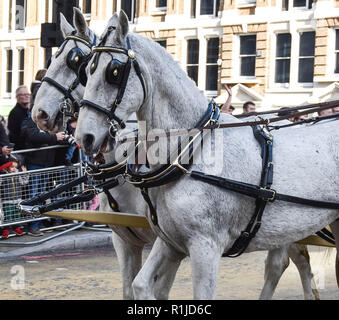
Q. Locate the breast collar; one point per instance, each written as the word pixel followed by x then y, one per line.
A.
pixel 173 170
pixel 162 175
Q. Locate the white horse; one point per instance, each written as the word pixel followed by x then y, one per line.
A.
pixel 196 219
pixel 128 242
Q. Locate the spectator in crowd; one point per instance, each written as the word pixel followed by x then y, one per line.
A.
pixel 227 107
pixel 5 145
pixel 36 138
pixel 286 111
pixel 335 110
pixel 325 112
pixel 249 107
pixel 35 85
pixel 230 110
pixel 17 115
pixel 71 126
pixel 11 194
pixel 299 118
pixel 3 121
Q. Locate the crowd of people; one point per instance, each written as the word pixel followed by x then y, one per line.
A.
pixel 21 133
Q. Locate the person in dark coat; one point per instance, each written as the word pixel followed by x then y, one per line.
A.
pixel 5 146
pixel 17 115
pixel 36 138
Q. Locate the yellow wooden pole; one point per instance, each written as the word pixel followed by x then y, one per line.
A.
pixel 103 217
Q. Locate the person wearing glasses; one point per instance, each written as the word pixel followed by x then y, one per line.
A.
pixel 17 115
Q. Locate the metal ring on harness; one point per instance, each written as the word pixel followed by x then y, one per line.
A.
pixel 113 129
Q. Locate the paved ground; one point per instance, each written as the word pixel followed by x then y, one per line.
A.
pixel 83 265
pixel 57 241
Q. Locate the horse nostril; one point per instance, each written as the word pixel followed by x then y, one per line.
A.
pixel 42 116
pixel 88 141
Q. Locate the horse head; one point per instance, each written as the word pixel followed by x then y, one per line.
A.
pixel 115 89
pixel 63 86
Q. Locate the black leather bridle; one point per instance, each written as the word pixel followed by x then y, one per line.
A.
pixel 116 74
pixel 76 60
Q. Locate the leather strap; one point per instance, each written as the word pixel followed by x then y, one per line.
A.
pixel 47 195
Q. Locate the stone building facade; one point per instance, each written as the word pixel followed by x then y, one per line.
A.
pixel 274 52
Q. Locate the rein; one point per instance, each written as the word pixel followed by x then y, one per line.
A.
pixel 266 122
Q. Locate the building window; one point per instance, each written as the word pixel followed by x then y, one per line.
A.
pixel 193 8
pixel 10 5
pixel 193 59
pixel 86 6
pixel 20 15
pixel 210 7
pixel 161 3
pixel 211 64
pixel 21 66
pixel 283 58
pixel 336 51
pixel 306 57
pixel 9 70
pixel 248 47
pixel 129 7
pixel 285 5
pixel 303 4
pixel 163 43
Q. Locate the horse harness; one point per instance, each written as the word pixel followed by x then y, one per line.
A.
pixel 262 193
pixel 77 61
pixel 116 74
pixel 115 174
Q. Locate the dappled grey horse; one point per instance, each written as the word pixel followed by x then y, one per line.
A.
pixel 196 219
pixel 128 243
pixel 47 113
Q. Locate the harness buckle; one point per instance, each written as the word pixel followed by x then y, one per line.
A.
pixel 272 198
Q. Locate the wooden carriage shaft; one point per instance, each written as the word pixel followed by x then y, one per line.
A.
pixel 136 221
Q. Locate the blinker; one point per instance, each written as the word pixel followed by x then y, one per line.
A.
pixel 75 58
pixel 114 72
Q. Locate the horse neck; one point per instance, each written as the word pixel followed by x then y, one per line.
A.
pixel 174 99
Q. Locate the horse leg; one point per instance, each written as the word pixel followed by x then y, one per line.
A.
pixel 156 264
pixel 130 261
pixel 205 261
pixel 166 275
pixel 335 230
pixel 299 255
pixel 276 263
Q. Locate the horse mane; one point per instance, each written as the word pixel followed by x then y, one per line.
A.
pixel 169 79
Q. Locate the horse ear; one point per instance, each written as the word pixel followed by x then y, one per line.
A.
pixel 80 23
pixel 123 25
pixel 66 28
